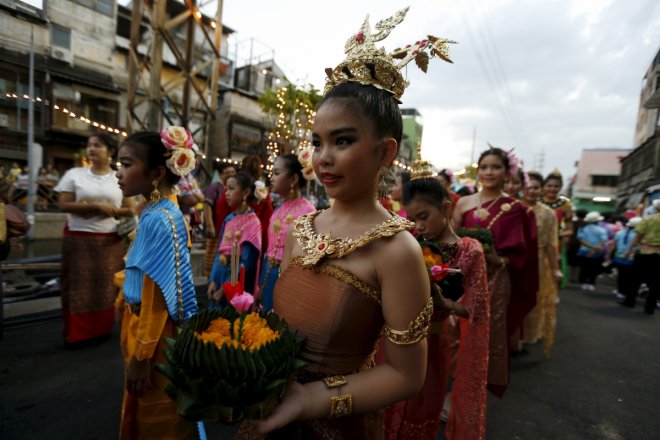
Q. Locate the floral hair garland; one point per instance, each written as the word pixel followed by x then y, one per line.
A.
pixel 305 159
pixel 516 164
pixel 181 149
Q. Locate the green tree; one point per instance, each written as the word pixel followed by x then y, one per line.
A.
pixel 291 111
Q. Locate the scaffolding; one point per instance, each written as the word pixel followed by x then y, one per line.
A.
pixel 192 44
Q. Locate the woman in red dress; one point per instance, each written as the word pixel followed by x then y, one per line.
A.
pixel 512 262
pixel 463 323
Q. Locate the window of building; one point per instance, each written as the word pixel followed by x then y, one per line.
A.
pixel 61 36
pixel 105 7
pixel 604 180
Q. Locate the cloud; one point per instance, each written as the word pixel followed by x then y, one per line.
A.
pixel 571 68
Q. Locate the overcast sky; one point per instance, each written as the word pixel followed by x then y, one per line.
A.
pixel 551 76
pixel 567 72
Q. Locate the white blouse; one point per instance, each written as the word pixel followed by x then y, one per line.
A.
pixel 87 186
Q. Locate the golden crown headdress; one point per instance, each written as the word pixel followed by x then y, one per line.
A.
pixel 421 169
pixel 368 65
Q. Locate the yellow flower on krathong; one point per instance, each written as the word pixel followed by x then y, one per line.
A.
pixel 431 259
pixel 256 332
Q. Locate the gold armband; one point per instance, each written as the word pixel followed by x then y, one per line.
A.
pixel 341 404
pixel 417 329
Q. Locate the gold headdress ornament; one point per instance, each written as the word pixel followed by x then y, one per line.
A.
pixel 421 169
pixel 368 65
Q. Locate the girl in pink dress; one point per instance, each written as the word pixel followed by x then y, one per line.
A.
pixel 287 181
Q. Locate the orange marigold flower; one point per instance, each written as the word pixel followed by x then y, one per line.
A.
pixel 255 333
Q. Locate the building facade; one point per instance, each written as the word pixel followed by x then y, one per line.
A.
pixel 596 179
pixel 640 170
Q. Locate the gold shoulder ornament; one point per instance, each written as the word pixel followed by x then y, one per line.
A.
pixel 368 65
pixel 317 246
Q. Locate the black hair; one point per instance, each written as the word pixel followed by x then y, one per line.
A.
pixel 533 175
pixel 245 181
pixel 251 165
pixel 148 147
pixel 464 191
pixel 405 180
pixel 497 152
pixel 377 105
pixel 428 190
pixel 221 166
pixel 554 176
pixel 446 175
pixel 293 166
pixel 521 176
pixel 109 141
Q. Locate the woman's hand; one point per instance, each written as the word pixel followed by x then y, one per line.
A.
pixel 106 209
pixel 291 409
pixel 557 275
pixel 210 290
pixel 210 231
pixel 138 376
pixel 218 294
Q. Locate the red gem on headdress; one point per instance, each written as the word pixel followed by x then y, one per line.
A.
pixel 359 36
pixel 321 246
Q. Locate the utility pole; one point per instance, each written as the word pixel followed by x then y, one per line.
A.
pixel 32 165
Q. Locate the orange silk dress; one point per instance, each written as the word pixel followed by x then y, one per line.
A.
pixel 153 415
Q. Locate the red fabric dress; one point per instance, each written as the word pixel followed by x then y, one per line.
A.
pixel 512 288
pixel 419 417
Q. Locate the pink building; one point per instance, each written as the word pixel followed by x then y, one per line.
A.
pixel 595 187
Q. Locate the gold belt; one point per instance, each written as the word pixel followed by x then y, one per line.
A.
pixel 274 262
pixel 133 309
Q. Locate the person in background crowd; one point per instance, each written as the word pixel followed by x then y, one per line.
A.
pixel 241 227
pixel 92 252
pixel 647 260
pixel 397 193
pixel 627 277
pixel 446 177
pixel 563 208
pixel 516 184
pixel 262 203
pixel 593 238
pixel 212 219
pixel 541 321
pixel 574 245
pixel 653 208
pixel 190 195
pixel 52 171
pixel 287 181
pixel 512 262
pixel 15 170
pixel 2 172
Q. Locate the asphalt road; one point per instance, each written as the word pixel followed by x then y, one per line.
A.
pixel 602 381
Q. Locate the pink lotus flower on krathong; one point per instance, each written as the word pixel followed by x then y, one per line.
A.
pixel 438 272
pixel 176 137
pixel 242 302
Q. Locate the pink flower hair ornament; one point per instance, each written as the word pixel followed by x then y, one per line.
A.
pixel 181 150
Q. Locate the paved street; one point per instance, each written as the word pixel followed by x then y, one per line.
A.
pixel 600 383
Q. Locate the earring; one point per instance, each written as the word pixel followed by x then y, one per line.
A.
pixel 383 187
pixel 155 194
pixel 244 205
pixel 292 192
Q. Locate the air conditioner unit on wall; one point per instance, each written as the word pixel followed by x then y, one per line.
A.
pixel 62 54
pixel 4 120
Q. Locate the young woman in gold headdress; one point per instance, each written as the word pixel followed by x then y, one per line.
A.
pixel 353 270
pixel 563 209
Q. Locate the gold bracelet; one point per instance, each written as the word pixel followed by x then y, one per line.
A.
pixel 502 262
pixel 416 331
pixel 341 404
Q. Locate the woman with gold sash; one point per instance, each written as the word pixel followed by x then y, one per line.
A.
pixel 563 209
pixel 353 271
pixel 512 263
